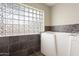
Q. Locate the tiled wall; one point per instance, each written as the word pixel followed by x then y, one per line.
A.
pixel 19 45
pixel 63 28
pixel 4 46
pixel 48 28
pixel 26 44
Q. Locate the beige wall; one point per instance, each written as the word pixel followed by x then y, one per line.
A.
pixel 64 14
pixel 47 17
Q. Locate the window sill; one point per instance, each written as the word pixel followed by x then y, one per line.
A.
pixel 18 35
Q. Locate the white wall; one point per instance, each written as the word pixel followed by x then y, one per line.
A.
pixel 47 11
pixel 64 14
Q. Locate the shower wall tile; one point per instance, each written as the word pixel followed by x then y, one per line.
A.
pixel 24 45
pixel 64 28
pixel 13 40
pixel 19 45
pixel 4 41
pixel 4 49
pixel 4 45
pixel 48 28
pixel 24 38
pixel 14 47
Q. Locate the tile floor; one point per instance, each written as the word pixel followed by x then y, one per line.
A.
pixel 36 54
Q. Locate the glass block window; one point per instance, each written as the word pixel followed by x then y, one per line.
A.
pixel 18 19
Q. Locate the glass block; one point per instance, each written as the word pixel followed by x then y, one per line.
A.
pixel 1 23
pixel 26 9
pixel 34 11
pixel 2 26
pixel 41 29
pixel 0 14
pixel 4 9
pixel 38 24
pixel 30 26
pixel 33 23
pixel 30 19
pixel 3 30
pixel 4 15
pixel 38 19
pixel 0 31
pixel 26 22
pixel 15 11
pixel 21 22
pixel 26 18
pixel 9 16
pixel 21 17
pixel 9 5
pixel 15 6
pixel 41 16
pixel 21 13
pixel 0 9
pixel 34 19
pixel 4 4
pixel 8 21
pixel 29 29
pixel 8 10
pixel 0 19
pixel 22 8
pixel 41 20
pixel 3 33
pixel 34 15
pixel 15 16
pixel 4 21
pixel 26 13
pixel 8 29
pixel 30 14
pixel 30 10
pixel 21 29
pixel 37 27
pixel 38 31
pixel 15 29
pixel 26 29
pixel 15 22
pixel 41 13
pixel 38 12
pixel 38 16
pixel 0 5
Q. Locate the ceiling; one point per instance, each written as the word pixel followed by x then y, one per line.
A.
pixel 50 4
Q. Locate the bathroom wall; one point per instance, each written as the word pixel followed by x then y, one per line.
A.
pixel 65 17
pixel 65 14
